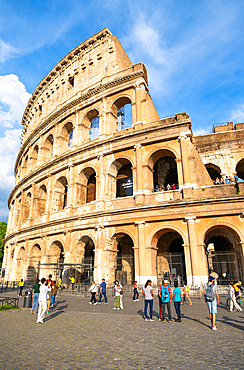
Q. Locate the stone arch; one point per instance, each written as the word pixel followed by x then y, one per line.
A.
pixel 90 125
pixel 164 173
pixel 86 191
pixel 26 207
pixel 122 257
pixel 213 170
pixel 25 163
pixel 168 242
pixel 34 260
pixel 40 201
pixel 47 148
pixel 223 246
pixel 240 169
pixel 84 254
pixel 20 263
pixel 60 194
pixel 121 110
pixel 66 136
pixel 34 157
pixel 120 178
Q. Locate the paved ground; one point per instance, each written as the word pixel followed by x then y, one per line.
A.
pixel 76 335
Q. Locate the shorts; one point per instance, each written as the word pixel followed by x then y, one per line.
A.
pixel 212 306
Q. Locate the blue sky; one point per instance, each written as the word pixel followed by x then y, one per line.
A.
pixel 193 51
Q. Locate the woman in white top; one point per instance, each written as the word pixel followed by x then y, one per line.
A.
pixel 148 294
pixel 93 291
pixel 44 289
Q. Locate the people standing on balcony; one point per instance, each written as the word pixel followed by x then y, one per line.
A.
pixel 147 292
pixel 173 187
pixel 157 189
pixel 168 187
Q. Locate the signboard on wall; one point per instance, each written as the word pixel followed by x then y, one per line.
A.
pixel 125 187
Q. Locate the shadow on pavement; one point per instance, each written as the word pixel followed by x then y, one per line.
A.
pixel 229 321
pixel 57 312
pixel 196 320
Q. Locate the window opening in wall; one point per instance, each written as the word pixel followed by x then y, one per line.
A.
pixel 124 181
pixel 65 196
pixel 94 128
pixel 124 117
pixel 91 189
pixel 121 118
pixel 165 175
pixel 40 109
pixel 72 81
pixel 70 139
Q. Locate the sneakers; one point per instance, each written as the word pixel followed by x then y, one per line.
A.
pixel 48 311
pixel 159 319
pixel 163 320
pixel 114 308
pixel 178 320
pixel 99 302
pixel 51 305
pixel 151 320
pixel 137 300
pixel 214 328
pixel 90 303
pixel 117 308
pixel 95 304
pixel 146 319
pixel 190 304
pixel 134 300
pixel 106 302
pixel 169 320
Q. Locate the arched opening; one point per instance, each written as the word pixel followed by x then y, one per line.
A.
pixel 124 266
pixel 60 194
pixel 20 264
pixel 26 207
pixel 18 205
pixel 122 110
pixel 92 120
pixel 165 175
pixel 40 201
pixel 214 171
pixel 34 260
pixel 240 169
pixel 25 166
pixel 224 254
pixel 66 137
pixel 124 181
pixel 34 157
pixel 91 189
pixel 88 259
pixel 170 256
pixel 47 149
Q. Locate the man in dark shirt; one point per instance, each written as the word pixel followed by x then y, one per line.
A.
pixel 103 287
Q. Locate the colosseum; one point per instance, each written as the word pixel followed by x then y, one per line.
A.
pixel 105 188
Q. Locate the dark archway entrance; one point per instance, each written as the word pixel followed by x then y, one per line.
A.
pixel 165 172
pixel 124 271
pixel 170 257
pixel 223 254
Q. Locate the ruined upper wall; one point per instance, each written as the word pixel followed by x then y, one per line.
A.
pixel 219 141
pixel 94 62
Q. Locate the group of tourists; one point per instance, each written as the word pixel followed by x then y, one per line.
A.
pixel 166 188
pixel 43 296
pixel 235 291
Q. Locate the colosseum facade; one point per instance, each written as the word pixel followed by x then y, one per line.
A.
pixel 104 188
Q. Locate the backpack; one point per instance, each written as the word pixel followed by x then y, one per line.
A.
pixel 209 294
pixel 165 296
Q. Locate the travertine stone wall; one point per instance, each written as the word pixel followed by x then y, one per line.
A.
pixel 65 205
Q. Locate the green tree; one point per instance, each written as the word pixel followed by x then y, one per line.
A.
pixel 3 229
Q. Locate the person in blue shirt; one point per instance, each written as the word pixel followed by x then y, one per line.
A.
pixel 177 300
pixel 103 292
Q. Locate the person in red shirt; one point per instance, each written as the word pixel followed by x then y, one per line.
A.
pixel 136 294
pixel 49 296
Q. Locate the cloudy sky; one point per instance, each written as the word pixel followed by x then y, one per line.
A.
pixel 193 51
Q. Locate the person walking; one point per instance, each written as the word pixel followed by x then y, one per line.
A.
pixel 72 280
pixel 44 290
pixel 165 294
pixel 54 293
pixel 103 292
pixel 35 296
pixel 212 299
pixel 233 298
pixel 93 291
pixel 117 295
pixel 136 294
pixel 177 300
pixel 49 295
pixel 21 286
pixel 147 292
pixel 186 293
pixel 121 296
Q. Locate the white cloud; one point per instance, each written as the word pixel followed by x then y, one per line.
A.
pixel 13 100
pixel 237 115
pixel 6 51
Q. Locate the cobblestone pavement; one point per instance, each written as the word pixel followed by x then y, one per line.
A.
pixel 76 335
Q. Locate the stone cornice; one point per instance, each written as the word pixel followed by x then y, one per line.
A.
pixel 133 210
pixel 64 61
pixel 74 103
